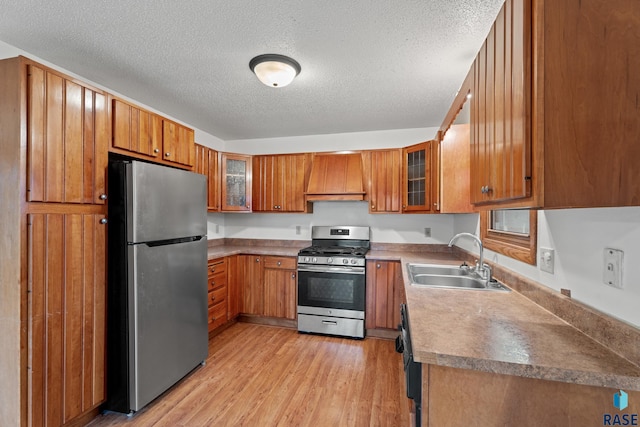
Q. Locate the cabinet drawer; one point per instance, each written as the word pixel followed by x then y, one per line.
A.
pixel 217 266
pixel 217 295
pixel 285 263
pixel 217 315
pixel 218 280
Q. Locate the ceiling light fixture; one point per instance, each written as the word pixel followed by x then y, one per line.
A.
pixel 274 70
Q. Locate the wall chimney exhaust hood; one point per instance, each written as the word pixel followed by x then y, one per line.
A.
pixel 336 177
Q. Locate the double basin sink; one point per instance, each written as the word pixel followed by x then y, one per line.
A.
pixel 450 277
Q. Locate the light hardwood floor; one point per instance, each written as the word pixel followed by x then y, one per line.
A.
pixel 259 375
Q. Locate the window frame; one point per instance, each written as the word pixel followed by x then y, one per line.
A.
pixel 519 247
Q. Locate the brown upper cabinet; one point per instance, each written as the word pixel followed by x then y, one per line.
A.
pixel 146 135
pixel 383 171
pixel 68 138
pixel 206 163
pixel 554 117
pixel 236 175
pixel 419 194
pixel 279 182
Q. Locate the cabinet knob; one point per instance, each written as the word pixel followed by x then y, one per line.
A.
pixel 279 263
pixel 103 197
pixel 248 206
pixel 167 154
pixel 213 297
pixel 373 206
pixel 378 266
pixel 103 221
pixel 257 259
pixel 156 150
pixel 293 275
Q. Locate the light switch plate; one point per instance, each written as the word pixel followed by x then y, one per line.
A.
pixel 547 260
pixel 612 268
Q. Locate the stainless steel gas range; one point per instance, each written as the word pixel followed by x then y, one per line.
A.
pixel 331 281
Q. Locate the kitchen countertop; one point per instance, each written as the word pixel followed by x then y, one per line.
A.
pixel 505 333
pixel 498 332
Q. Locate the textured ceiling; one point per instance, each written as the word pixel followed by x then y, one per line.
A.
pixel 366 65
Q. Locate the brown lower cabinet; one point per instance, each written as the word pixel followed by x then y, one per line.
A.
pixel 463 397
pixel 217 295
pixel 67 312
pixel 280 287
pixel 385 293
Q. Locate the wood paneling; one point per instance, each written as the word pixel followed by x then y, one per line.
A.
pixel 68 136
pixel 206 163
pixel 67 266
pixel 501 141
pixel 136 130
pixel 385 293
pixel 336 177
pixel 280 287
pixel 249 279
pixel 383 169
pixel 178 143
pixel 264 376
pixel 458 397
pixel 455 170
pixel 279 182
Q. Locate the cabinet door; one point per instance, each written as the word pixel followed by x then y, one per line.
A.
pixel 249 277
pixel 501 105
pixel 235 268
pixel 280 293
pixel 417 178
pixel 177 143
pixel 279 182
pixel 291 170
pixel 385 293
pixel 66 306
pixel 206 163
pixel 236 182
pixel 385 172
pixel 68 137
pixel 136 130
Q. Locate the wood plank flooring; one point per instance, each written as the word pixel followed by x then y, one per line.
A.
pixel 259 375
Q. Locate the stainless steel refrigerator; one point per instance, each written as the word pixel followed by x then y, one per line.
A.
pixel 157 294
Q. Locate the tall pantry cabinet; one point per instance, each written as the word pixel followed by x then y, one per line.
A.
pixel 54 142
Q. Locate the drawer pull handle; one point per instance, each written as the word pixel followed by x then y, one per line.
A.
pixel 330 322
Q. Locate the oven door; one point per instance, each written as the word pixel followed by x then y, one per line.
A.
pixel 331 290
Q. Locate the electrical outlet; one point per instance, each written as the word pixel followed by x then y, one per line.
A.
pixel 427 232
pixel 297 229
pixel 547 259
pixel 612 269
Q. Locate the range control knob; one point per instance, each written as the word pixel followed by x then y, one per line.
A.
pixel 306 259
pixel 353 261
pixel 329 260
pixel 345 261
pixel 314 259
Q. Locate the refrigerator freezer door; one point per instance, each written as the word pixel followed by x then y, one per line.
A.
pixel 164 203
pixel 168 332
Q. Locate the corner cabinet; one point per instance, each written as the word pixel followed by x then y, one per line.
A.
pixel 236 173
pixel 419 192
pixel 549 127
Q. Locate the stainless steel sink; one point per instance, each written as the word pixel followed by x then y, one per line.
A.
pixel 450 277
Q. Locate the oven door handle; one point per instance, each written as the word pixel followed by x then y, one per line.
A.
pixel 331 269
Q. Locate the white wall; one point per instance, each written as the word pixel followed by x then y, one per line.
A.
pixel 384 228
pixel 203 138
pixel 579 237
pixel 333 142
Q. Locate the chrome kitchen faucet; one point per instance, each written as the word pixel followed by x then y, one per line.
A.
pixel 481 268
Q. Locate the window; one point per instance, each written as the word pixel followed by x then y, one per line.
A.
pixel 510 232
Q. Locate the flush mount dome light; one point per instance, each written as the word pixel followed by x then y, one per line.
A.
pixel 274 70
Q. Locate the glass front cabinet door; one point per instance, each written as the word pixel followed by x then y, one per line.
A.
pixel 236 179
